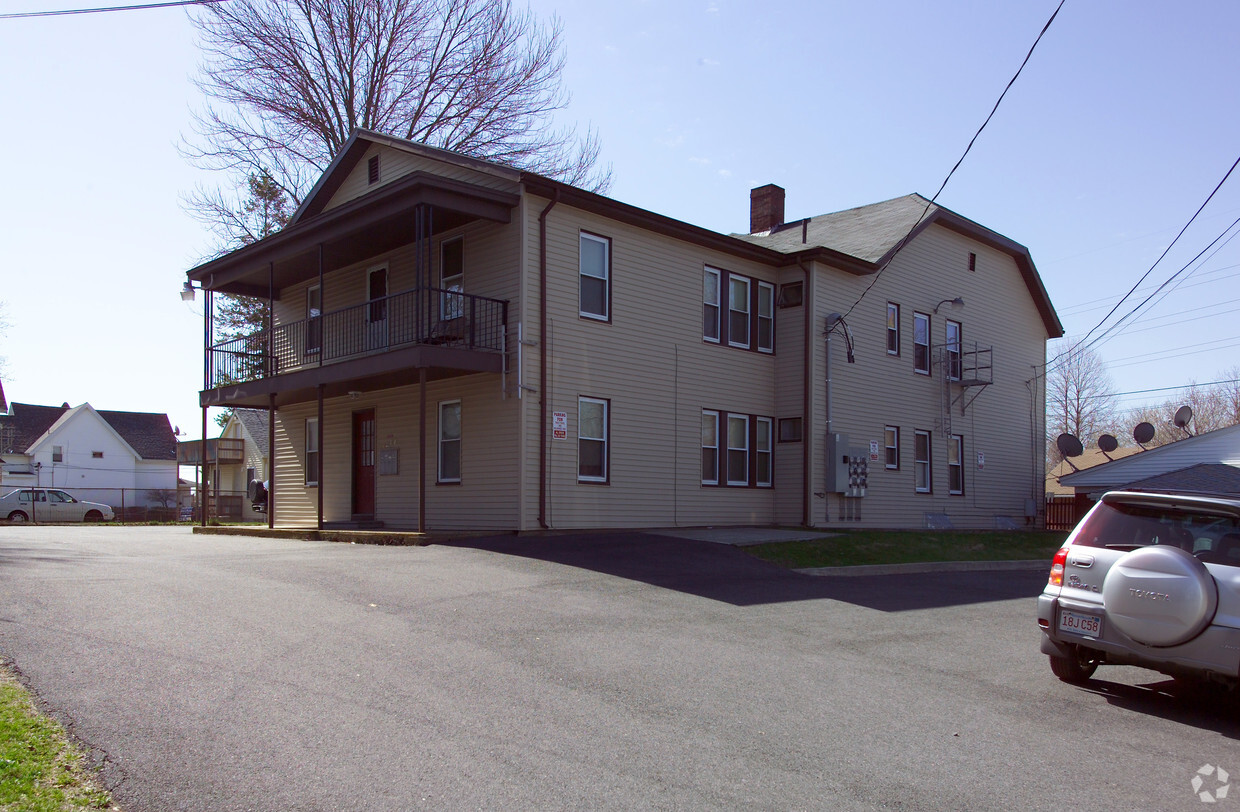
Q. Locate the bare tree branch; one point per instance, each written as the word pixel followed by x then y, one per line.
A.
pixel 287 81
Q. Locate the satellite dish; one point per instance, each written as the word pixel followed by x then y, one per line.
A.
pixel 1069 446
pixel 1107 443
pixel 1183 415
pixel 1143 433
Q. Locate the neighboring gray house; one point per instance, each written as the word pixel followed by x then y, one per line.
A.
pixel 1189 464
pixel 460 345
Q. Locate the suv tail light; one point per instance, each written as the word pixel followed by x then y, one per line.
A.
pixel 1061 557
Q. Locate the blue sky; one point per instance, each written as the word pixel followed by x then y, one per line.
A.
pixel 1120 126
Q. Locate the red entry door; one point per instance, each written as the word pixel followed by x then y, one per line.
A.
pixel 364 463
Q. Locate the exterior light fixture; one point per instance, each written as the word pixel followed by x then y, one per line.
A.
pixel 187 292
pixel 957 302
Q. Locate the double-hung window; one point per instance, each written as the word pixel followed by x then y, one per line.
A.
pixel 710 305
pixel 893 328
pixel 738 449
pixel 710 447
pixel 452 279
pixel 591 439
pixel 595 279
pixel 921 462
pixel 766 317
pixel 955 464
pixel 450 441
pixel 58 453
pixel 762 451
pixel 738 311
pixel 953 356
pixel 921 343
pixel 312 451
pixel 891 441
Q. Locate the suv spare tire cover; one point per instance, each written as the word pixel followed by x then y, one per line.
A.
pixel 1159 596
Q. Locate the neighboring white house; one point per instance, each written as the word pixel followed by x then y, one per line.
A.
pixel 1219 447
pixel 123 459
pixel 249 426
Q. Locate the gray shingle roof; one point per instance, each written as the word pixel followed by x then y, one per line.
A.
pixel 149 434
pixel 1207 477
pixel 255 423
pixel 866 232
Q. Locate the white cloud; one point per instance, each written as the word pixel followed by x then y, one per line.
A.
pixel 725 173
pixel 707 62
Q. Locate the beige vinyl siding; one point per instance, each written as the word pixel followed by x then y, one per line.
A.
pixel 880 390
pixel 790 402
pixel 651 363
pixel 396 163
pixel 486 498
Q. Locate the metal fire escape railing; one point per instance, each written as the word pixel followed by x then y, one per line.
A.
pixel 965 370
pixel 436 316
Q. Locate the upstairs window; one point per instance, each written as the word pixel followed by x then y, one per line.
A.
pixel 893 328
pixel 710 305
pixel 595 277
pixel 766 317
pixel 452 279
pixel 952 355
pixel 921 343
pixel 738 311
pixel 58 453
pixel 314 321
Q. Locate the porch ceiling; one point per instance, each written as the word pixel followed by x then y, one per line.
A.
pixel 385 370
pixel 365 227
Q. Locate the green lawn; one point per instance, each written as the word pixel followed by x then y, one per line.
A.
pixel 40 770
pixel 852 548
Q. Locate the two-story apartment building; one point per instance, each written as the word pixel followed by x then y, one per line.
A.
pixel 455 345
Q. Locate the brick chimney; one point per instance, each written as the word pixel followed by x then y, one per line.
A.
pixel 766 208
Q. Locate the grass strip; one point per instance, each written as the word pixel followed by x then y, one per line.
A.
pixel 854 548
pixel 40 769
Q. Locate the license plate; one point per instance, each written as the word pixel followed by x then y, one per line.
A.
pixel 1080 623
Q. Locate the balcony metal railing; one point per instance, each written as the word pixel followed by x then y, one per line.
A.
pixel 422 316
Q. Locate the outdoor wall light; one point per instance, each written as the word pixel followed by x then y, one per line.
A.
pixel 957 302
pixel 354 394
pixel 187 292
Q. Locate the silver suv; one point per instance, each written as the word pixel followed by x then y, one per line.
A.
pixel 1151 580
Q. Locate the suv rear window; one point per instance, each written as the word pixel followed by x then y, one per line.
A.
pixel 1211 537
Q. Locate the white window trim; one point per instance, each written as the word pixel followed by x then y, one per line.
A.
pixel 734 279
pixel 708 271
pixel 767 425
pixel 767 286
pixel 928 462
pixel 954 362
pixel 921 317
pixel 604 439
pixel 956 442
pixel 312 447
pixel 581 271
pixel 451 306
pixel 728 435
pixel 460 460
pixel 714 448
pixel 895 430
pixel 893 330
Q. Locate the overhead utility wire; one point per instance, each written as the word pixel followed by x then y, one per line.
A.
pixel 141 7
pixel 1126 316
pixel 900 246
pixel 1078 344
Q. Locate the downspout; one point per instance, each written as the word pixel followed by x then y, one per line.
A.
pixel 542 360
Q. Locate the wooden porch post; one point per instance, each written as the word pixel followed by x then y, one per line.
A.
pixel 202 465
pixel 271 461
pixel 422 452
pixel 319 445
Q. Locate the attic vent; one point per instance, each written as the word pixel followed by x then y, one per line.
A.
pixel 372 169
pixel 972 261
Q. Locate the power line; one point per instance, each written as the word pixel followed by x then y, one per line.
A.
pixel 141 7
pixel 900 245
pixel 1145 275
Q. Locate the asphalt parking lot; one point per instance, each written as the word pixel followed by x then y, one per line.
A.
pixel 616 671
